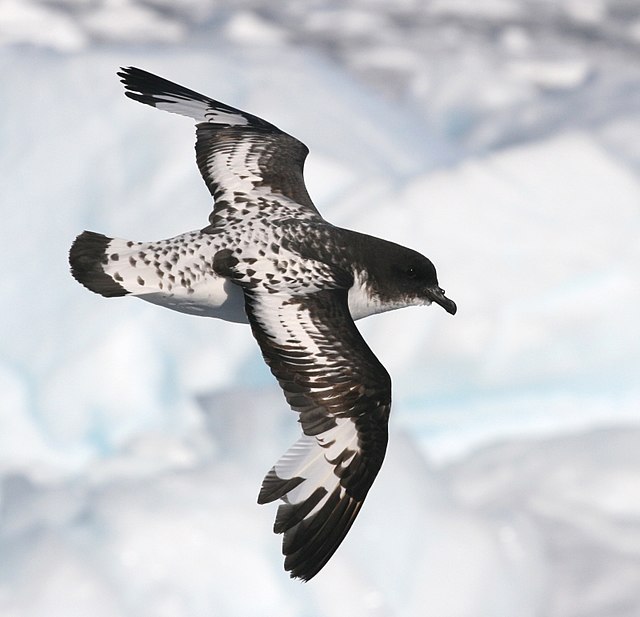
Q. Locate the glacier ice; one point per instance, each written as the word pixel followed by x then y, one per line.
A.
pixel 133 441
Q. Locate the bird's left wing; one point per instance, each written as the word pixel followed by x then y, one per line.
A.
pixel 343 395
pixel 249 165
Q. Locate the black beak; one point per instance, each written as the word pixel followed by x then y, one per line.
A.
pixel 436 294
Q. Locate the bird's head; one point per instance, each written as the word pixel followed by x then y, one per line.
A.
pixel 414 276
pixel 404 277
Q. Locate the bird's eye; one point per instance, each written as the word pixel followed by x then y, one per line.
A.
pixel 411 272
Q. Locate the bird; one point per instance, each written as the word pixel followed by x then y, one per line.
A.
pixel 268 258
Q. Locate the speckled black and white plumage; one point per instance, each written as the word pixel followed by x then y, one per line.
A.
pixel 267 257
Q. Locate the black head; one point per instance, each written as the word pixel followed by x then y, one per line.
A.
pixel 405 274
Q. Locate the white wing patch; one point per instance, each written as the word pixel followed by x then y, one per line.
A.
pixel 220 116
pixel 313 459
pixel 185 107
pixel 235 168
pixel 201 111
pixel 288 323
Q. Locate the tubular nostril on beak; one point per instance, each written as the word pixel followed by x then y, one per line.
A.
pixel 437 296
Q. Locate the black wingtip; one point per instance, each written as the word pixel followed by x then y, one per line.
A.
pixel 130 74
pixel 148 88
pixel 273 487
pixel 86 258
pixel 310 544
pixel 132 77
pixel 141 85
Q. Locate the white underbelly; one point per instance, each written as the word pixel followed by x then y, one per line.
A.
pixel 222 299
pixel 218 298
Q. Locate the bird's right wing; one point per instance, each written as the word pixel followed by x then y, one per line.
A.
pixel 343 395
pixel 250 166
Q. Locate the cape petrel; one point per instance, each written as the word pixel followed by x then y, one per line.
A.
pixel 267 257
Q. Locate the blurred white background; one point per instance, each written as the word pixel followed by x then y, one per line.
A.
pixel 500 138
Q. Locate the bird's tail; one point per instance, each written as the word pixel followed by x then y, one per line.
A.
pixel 114 267
pixel 89 259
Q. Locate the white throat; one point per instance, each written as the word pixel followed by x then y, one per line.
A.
pixel 362 302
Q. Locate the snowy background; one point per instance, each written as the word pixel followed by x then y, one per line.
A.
pixel 499 137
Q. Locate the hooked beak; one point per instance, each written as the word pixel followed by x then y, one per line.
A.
pixel 436 294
